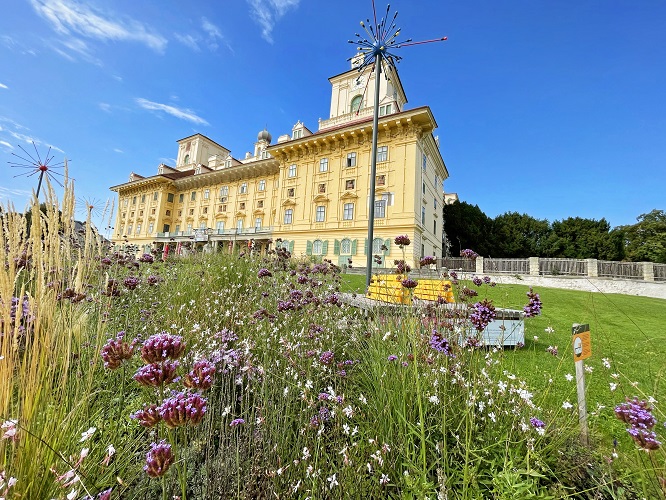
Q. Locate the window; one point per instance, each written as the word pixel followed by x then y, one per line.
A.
pixel 292 170
pixel 239 225
pixel 425 162
pixel 262 185
pixel 260 204
pixel 297 134
pixel 134 200
pixel 186 160
pixel 125 202
pixel 129 229
pixel 351 159
pixel 131 215
pixel 257 223
pixel 140 213
pixel 180 213
pixel 143 198
pixel 323 165
pixel 224 191
pixel 434 203
pixel 422 250
pixel 243 188
pixel 382 153
pixel 348 213
pixel 181 198
pixel 220 227
pixel 165 228
pixel 434 227
pixel 350 184
pixel 241 205
pixel 177 228
pixel 121 230
pixel 385 110
pixel 317 247
pixel 151 226
pixel 170 198
pixel 424 188
pixel 288 216
pixel 265 155
pixel 138 228
pixel 381 180
pixel 380 209
pixel 291 192
pixel 423 212
pixel 345 247
pixel 206 194
pixel 189 229
pixel 154 197
pixel 205 210
pixel 377 246
pixel 322 188
pixel 202 225
pixel 356 104
pixel 152 211
pixel 168 213
pixel 193 196
pixel 321 214
pixel 191 211
pixel 224 208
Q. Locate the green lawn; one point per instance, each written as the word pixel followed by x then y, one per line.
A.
pixel 628 331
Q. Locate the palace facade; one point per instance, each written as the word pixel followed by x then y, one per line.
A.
pixel 308 192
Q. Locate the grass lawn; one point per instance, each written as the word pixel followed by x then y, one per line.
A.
pixel 627 331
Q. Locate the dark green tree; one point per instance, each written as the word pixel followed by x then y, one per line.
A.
pixel 579 238
pixel 466 226
pixel 520 235
pixel 646 240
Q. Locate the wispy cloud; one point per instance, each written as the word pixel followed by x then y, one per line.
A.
pixel 167 161
pixel 116 150
pixel 267 13
pixel 3 86
pixel 213 37
pixel 8 192
pixel 12 44
pixel 11 129
pixel 189 41
pixel 182 113
pixel 71 17
pixel 6 145
pixel 104 106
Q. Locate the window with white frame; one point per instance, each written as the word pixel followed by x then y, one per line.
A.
pixel 239 225
pixel 202 225
pixel 206 194
pixel 189 229
pixel 377 246
pixel 120 231
pixel 380 209
pixel 224 191
pixel 297 134
pixel 129 229
pixel 262 185
pixel 193 196
pixel 382 153
pixel 385 110
pixel 323 165
pixel 423 215
pixel 356 103
pixel 425 162
pixel 220 226
pixel 243 188
pixel 257 223
pixel 321 213
pixel 292 170
pixel 288 216
pixel 138 228
pixel 151 226
pixel 155 195
pixel 351 159
pixel 317 247
pixel 345 247
pixel 348 213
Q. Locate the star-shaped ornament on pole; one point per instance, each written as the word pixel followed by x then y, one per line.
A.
pixel 377 51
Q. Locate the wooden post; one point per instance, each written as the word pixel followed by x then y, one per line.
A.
pixel 582 350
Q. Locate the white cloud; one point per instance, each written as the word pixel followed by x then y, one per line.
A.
pixel 3 86
pixel 189 41
pixel 183 114
pixel 6 144
pixel 211 40
pixel 116 150
pixel 7 192
pixel 106 107
pixel 69 17
pixel 268 12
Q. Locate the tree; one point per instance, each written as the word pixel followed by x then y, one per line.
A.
pixel 520 235
pixel 466 226
pixel 646 240
pixel 579 238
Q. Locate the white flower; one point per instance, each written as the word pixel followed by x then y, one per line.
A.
pixel 333 482
pixel 606 363
pixel 306 453
pixel 549 329
pixel 308 384
pixel 12 481
pixel 348 411
pixel 87 434
pixel 613 386
pixel 355 431
pixel 362 399
pixel 569 377
pixel 226 411
pixel 615 375
pixel 72 494
pixel 492 416
pixel 536 339
pixel 566 405
pixel 434 399
pixel 384 480
pixel 345 428
pixel 589 368
pixel 286 391
pixel 651 400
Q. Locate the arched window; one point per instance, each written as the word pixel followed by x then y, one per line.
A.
pixel 345 247
pixel 377 246
pixel 186 160
pixel 356 103
pixel 317 247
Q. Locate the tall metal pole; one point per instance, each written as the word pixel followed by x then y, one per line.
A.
pixel 373 172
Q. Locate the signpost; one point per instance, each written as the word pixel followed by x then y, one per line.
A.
pixel 582 349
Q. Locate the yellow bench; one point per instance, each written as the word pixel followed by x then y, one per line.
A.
pixel 388 288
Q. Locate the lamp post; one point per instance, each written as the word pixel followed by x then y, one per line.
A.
pixel 376 52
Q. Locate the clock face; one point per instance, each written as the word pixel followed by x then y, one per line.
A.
pixel 358 82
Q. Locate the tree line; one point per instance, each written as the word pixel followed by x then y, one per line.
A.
pixel 515 235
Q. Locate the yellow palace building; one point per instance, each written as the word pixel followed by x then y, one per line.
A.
pixel 308 192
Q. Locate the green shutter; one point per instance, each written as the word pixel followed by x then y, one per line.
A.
pixel 291 246
pixel 324 247
pixel 365 249
pixel 336 247
pixel 354 247
pixel 387 244
pixel 308 248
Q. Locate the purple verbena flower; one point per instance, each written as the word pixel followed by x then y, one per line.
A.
pixel 533 307
pixel 147 258
pixel 236 422
pixel 482 314
pixel 201 375
pixel 326 357
pixel 469 254
pixel 182 409
pixel 427 261
pixel 158 459
pixel 116 350
pixel 409 283
pixel 392 357
pixel 131 282
pixel 157 374
pixel 536 423
pixel 148 416
pixel 264 273
pixel 162 346
pixel 402 241
pixel 440 344
pixel 636 413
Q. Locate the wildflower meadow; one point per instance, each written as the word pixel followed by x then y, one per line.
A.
pixel 251 376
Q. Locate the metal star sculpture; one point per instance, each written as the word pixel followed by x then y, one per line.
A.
pixel 378 50
pixel 36 165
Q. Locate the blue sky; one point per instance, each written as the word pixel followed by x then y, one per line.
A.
pixel 551 108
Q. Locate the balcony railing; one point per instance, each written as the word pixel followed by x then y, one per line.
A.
pixel 219 232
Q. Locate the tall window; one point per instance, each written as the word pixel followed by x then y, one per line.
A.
pixel 257 223
pixel 423 187
pixel 186 160
pixel 351 159
pixel 181 198
pixel 224 191
pixel 425 162
pixel 189 229
pixel 143 198
pixel 202 225
pixel 323 165
pixel 434 227
pixel 380 209
pixel 220 227
pixel 317 247
pixel 177 229
pixel 423 212
pixel 297 134
pixel 170 198
pixel 348 213
pixel 434 203
pixel 243 188
pixel 138 228
pixel 345 247
pixel 321 214
pixel 288 216
pixel 155 194
pixel 166 228
pixel 129 229
pixel 262 185
pixel 382 153
pixel 377 246
pixel 193 196
pixel 356 104
pixel 239 225
pixel 292 170
pixel 134 200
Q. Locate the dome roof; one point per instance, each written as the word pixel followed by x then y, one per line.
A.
pixel 264 135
